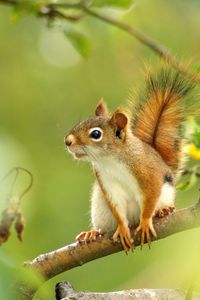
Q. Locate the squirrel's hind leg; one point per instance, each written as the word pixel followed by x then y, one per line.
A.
pixel 166 201
pixel 164 211
pixel 156 200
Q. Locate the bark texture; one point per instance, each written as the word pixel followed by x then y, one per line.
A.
pixel 64 291
pixel 74 255
pixel 53 263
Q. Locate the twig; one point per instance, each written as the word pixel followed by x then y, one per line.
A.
pixel 17 169
pixel 9 2
pixel 147 41
pixel 190 171
pixel 51 10
pixel 77 5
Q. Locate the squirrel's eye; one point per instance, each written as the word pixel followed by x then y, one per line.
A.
pixel 95 134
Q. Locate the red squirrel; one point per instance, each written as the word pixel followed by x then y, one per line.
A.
pixel 136 154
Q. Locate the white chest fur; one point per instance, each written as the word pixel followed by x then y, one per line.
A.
pixel 122 188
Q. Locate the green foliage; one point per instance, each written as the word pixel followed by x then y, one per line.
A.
pixel 192 149
pixel 13 277
pixel 113 3
pixel 190 183
pixel 196 137
pixel 24 8
pixel 193 131
pixel 41 101
pixel 78 40
pixel 7 275
pixel 196 68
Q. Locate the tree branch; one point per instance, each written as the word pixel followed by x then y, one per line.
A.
pixel 147 41
pixel 53 263
pixel 9 2
pixel 52 10
pixel 65 291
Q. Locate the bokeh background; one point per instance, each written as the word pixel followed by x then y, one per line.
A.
pixel 46 87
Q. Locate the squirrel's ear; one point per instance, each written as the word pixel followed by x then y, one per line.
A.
pixel 120 119
pixel 101 109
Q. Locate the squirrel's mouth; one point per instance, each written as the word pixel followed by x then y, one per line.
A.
pixel 79 155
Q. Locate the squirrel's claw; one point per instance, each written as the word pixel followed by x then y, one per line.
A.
pixel 123 232
pixel 162 212
pixel 89 236
pixel 145 229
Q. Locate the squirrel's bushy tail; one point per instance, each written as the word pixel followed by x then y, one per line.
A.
pixel 159 113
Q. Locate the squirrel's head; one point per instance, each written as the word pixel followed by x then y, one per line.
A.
pixel 99 135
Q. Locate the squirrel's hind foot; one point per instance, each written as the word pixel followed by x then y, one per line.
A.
pixel 89 236
pixel 123 232
pixel 145 229
pixel 167 210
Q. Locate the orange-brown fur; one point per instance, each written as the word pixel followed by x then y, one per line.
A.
pixel 147 143
pixel 160 117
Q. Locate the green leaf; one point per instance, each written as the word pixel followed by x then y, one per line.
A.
pixel 185 186
pixel 182 186
pixel 193 131
pixel 78 40
pixel 196 68
pixel 196 137
pixel 24 8
pixel 112 3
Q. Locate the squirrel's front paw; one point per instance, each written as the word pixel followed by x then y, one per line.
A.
pixel 89 236
pixel 145 229
pixel 123 232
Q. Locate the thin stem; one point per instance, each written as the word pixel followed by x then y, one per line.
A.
pixel 17 169
pixel 77 5
pixel 13 183
pixel 190 171
pixel 147 41
pixel 131 30
pixel 53 13
pixel 30 183
pixel 51 10
pixel 139 35
pixel 9 2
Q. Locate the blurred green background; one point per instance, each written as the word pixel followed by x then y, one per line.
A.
pixel 46 88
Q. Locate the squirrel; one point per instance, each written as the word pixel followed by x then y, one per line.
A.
pixel 136 154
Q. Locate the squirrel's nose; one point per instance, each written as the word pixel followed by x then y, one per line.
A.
pixel 68 140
